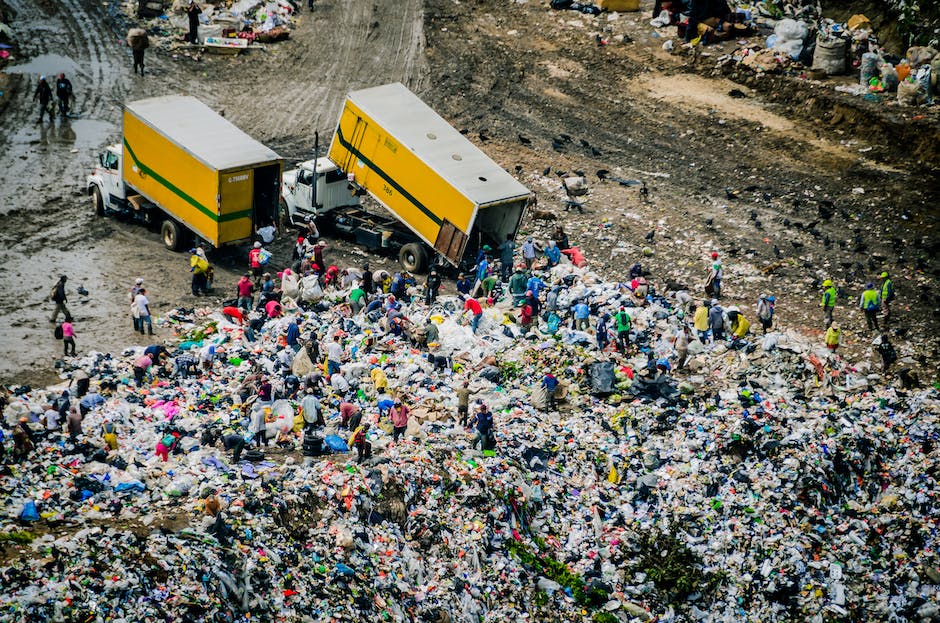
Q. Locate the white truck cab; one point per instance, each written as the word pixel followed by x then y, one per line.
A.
pixel 105 183
pixel 332 189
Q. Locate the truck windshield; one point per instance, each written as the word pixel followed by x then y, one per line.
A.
pixel 109 160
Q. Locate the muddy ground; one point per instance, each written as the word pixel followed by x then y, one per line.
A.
pixel 789 180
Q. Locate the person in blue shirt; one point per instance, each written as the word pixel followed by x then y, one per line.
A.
pixel 549 382
pixel 603 339
pixel 293 335
pixel 553 253
pixel 463 284
pixel 483 421
pixel 483 271
pixel 506 251
pixel 535 285
pixel 581 314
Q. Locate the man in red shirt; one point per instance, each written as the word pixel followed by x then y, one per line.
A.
pixel 245 289
pixel 473 306
pixel 254 262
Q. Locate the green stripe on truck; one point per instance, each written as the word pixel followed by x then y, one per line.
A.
pixel 233 216
pixel 385 176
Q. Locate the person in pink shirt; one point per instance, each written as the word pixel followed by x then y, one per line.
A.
pixel 399 414
pixel 68 338
pixel 245 290
pixel 140 368
pixel 273 309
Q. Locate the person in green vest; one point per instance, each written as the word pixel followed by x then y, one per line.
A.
pixel 828 302
pixel 624 323
pixel 887 295
pixel 870 304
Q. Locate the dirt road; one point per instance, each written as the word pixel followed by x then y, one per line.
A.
pixel 791 184
pixel 279 96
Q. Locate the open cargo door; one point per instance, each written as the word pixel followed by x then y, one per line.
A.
pixel 450 242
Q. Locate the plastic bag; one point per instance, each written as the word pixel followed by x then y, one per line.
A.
pixel 29 512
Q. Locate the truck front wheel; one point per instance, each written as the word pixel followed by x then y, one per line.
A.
pixel 413 258
pixel 97 201
pixel 172 235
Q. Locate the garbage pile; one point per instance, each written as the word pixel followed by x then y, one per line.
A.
pixel 253 21
pixel 767 480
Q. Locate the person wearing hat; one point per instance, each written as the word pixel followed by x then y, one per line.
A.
pixel 483 421
pixel 528 253
pixel 254 262
pixel 44 95
pixel 399 415
pixel 887 295
pixel 601 331
pixel 431 287
pixel 828 302
pixel 59 297
pixel 463 284
pixel 715 274
pixel 765 311
pixel 870 302
pixel 318 254
pixel 833 337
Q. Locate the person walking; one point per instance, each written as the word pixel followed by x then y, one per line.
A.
pixel 463 402
pixel 68 338
pixel 44 94
pixel 870 302
pixel 192 12
pixel 399 415
pixel 254 262
pixel 828 302
pixel 143 310
pixel 135 290
pixel 138 42
pixel 624 324
pixel 887 295
pixel 59 297
pixel 765 311
pixel 63 93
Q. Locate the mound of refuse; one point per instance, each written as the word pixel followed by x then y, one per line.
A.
pixel 768 479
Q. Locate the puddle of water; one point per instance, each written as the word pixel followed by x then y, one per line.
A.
pixel 48 64
pixel 77 133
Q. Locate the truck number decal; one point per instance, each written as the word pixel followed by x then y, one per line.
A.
pixel 388 189
pixel 392 147
pixel 238 178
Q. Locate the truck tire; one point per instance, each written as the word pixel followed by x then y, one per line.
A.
pixel 413 258
pixel 97 201
pixel 172 235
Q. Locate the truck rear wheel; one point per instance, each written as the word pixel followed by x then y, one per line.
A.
pixel 172 235
pixel 413 258
pixel 97 201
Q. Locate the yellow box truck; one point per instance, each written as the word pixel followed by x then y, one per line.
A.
pixel 182 165
pixel 444 194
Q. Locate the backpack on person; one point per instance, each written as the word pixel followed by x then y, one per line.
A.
pixel 58 331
